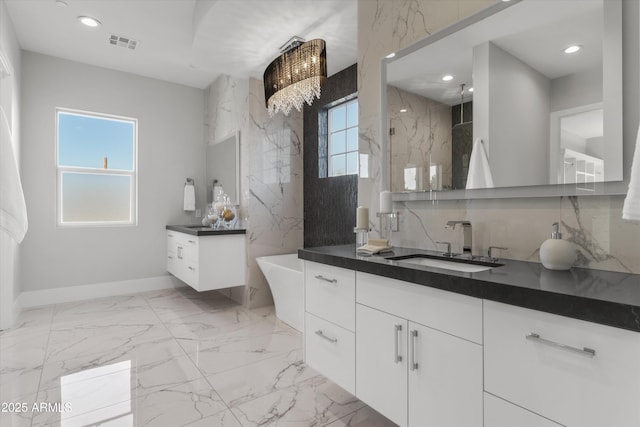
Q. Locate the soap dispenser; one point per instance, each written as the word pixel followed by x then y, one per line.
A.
pixel 555 253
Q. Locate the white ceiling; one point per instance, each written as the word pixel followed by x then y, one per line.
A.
pixel 190 42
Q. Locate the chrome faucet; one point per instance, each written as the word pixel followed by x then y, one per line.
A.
pixel 467 234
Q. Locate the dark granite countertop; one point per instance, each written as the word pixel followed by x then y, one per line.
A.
pixel 604 297
pixel 199 230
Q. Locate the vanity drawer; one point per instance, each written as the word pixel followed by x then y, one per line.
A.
pixel 331 350
pixel 571 387
pixel 331 293
pixel 455 314
pixel 500 413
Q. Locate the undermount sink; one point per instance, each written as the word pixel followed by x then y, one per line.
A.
pixel 460 264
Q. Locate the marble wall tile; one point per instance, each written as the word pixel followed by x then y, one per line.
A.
pixel 423 129
pixel 271 176
pixel 604 239
pixel 594 224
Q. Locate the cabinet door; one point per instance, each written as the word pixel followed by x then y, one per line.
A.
pixel 445 379
pixel 381 362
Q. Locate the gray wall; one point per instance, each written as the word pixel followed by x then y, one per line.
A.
pixel 517 120
pixel 576 90
pixel 170 148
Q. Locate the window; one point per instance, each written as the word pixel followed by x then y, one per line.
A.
pixel 343 139
pixel 96 165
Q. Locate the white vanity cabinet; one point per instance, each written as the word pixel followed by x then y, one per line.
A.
pixel 573 372
pixel 500 413
pixel 418 353
pixel 329 332
pixel 207 262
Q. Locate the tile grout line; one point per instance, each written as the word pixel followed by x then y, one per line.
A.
pixel 224 403
pixel 44 358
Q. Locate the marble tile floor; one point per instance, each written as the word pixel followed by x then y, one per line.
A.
pixel 165 358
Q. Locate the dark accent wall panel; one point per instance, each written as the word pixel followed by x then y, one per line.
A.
pixel 329 203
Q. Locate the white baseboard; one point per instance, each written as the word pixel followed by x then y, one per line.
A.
pixel 97 290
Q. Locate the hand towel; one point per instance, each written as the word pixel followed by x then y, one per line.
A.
pixel 375 246
pixel 189 197
pixel 631 207
pixel 13 209
pixel 479 175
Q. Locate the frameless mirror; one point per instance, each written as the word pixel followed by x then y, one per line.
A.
pixel 223 167
pixel 496 102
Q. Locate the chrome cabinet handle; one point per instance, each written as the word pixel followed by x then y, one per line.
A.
pixel 192 241
pixel 321 277
pixel 396 338
pixel 180 252
pixel 322 335
pixel 170 257
pixel 585 351
pixel 191 268
pixel 412 352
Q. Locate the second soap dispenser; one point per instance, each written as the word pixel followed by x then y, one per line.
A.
pixel 555 253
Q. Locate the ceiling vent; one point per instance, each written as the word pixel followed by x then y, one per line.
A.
pixel 122 41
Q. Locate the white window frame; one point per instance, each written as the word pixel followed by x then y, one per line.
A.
pixel 331 130
pixel 133 174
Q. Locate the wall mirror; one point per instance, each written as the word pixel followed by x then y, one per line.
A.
pixel 223 165
pixel 493 106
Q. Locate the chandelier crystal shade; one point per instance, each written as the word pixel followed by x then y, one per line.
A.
pixel 296 76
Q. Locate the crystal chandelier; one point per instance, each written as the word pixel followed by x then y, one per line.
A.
pixel 295 77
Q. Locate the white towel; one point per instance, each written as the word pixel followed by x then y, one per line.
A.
pixel 13 209
pixel 631 207
pixel 189 197
pixel 479 175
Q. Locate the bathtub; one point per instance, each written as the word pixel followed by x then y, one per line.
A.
pixel 286 281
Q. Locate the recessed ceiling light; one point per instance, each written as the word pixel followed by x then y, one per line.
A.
pixel 403 110
pixel 89 21
pixel 572 49
pixel 391 55
pixel 447 77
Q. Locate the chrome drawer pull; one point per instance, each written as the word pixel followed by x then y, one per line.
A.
pixel 583 351
pixel 191 268
pixel 397 331
pixel 412 351
pixel 192 241
pixel 321 277
pixel 322 335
